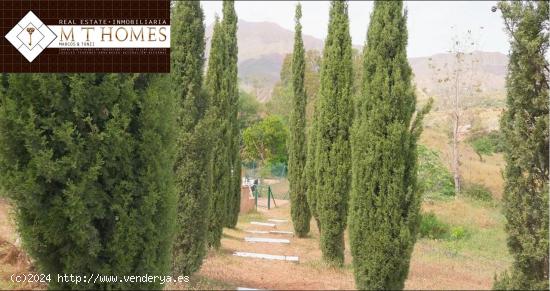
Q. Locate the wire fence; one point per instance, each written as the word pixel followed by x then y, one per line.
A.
pixel 272 177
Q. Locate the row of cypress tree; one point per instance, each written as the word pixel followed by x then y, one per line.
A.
pixel 122 174
pixel 385 203
pixel 360 146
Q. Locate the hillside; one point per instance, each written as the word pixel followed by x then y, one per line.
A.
pixel 485 77
pixel 263 46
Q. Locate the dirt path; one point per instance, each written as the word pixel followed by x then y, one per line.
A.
pixel 309 273
pixel 432 266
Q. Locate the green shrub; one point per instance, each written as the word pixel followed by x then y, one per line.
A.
pixel 487 143
pixel 477 192
pixel 431 227
pixel 434 178
pixel 458 233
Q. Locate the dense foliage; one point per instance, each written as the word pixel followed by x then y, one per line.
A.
pixel 80 162
pixel 434 179
pixel 431 227
pixel 332 145
pixel 249 110
pixel 487 143
pixel 230 83
pixel 297 142
pixel 192 162
pixel 265 141
pixel 219 166
pixel 309 173
pixel 385 201
pixel 524 126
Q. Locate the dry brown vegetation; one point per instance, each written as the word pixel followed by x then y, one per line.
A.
pixel 436 264
pixel 12 259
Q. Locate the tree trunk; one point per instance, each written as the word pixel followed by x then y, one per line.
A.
pixel 456 117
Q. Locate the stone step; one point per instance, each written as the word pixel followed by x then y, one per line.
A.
pixel 278 220
pixel 266 240
pixel 263 223
pixel 281 232
pixel 257 231
pixel 268 231
pixel 266 256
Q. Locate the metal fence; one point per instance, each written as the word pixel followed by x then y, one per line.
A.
pixel 269 183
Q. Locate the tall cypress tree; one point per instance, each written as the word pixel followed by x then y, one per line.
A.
pixel 230 82
pixel 192 163
pixel 309 172
pixel 220 130
pixel 385 202
pixel 525 128
pixel 333 163
pixel 80 160
pixel 297 145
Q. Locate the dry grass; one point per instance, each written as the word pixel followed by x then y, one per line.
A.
pixel 467 264
pixel 12 259
pixel 472 170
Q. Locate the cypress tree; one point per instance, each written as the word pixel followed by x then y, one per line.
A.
pixel 80 160
pixel 524 125
pixel 309 171
pixel 297 145
pixel 233 199
pixel 333 163
pixel 220 130
pixel 385 202
pixel 192 162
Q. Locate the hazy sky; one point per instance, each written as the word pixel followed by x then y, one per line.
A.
pixel 431 24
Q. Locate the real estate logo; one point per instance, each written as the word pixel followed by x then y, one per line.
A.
pixel 21 36
pixel 85 36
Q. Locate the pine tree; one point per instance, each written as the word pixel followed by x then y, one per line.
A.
pixel 233 199
pixel 219 167
pixel 80 160
pixel 525 129
pixel 192 163
pixel 333 161
pixel 297 145
pixel 385 202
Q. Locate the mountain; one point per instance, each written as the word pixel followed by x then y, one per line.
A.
pixel 263 46
pixel 489 70
pixel 482 79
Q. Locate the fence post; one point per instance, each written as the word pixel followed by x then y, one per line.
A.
pixel 268 197
pixel 256 197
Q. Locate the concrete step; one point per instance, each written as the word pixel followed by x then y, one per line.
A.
pixel 263 223
pixel 266 256
pixel 266 240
